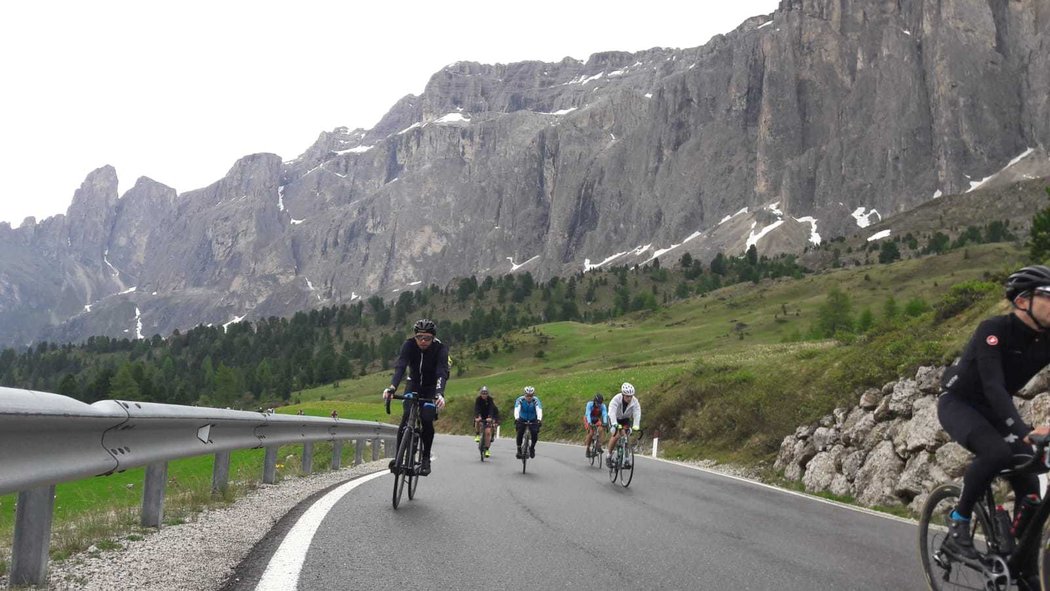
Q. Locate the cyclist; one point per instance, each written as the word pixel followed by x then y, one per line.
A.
pixel 528 408
pixel 624 411
pixel 426 359
pixel 975 405
pixel 595 416
pixel 485 414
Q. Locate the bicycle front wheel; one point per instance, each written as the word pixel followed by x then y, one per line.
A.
pixel 526 444
pixel 944 572
pixel 402 464
pixel 614 466
pixel 1044 557
pixel 627 470
pixel 413 478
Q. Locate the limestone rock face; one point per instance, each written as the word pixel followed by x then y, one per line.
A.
pixel 830 110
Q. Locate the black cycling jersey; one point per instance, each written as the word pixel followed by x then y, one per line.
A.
pixel 485 407
pixel 1003 354
pixel 427 370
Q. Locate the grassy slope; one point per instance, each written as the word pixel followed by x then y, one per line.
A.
pixel 714 373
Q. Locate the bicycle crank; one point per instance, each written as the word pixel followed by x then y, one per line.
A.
pixel 996 573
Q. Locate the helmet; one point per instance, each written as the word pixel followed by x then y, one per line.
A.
pixel 529 390
pixel 1027 279
pixel 483 390
pixel 425 325
pixel 627 389
pixel 598 398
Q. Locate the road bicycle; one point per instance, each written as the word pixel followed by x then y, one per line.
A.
pixel 1001 555
pixel 526 444
pixel 596 449
pixel 622 467
pixel 485 439
pixel 409 454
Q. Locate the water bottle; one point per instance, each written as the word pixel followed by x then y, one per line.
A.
pixel 1025 510
pixel 1003 529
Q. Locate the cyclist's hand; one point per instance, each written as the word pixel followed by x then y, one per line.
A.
pixel 539 424
pixel 388 392
pixel 1043 430
pixel 440 402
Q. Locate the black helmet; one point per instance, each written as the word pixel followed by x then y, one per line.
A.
pixel 1026 280
pixel 598 398
pixel 426 325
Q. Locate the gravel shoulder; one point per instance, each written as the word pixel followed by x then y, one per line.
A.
pixel 198 555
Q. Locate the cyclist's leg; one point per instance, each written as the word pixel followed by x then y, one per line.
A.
pixel 520 427
pixel 400 430
pixel 427 414
pixel 535 430
pixel 590 434
pixel 972 430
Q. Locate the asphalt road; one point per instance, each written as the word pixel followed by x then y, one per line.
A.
pixel 563 525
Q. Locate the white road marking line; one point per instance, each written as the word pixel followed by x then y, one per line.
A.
pixel 283 571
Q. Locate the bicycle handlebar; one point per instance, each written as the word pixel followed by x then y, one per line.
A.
pixel 1041 442
pixel 406 396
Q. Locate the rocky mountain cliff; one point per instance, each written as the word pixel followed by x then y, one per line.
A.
pixel 807 123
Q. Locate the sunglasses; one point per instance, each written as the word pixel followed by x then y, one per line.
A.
pixel 426 338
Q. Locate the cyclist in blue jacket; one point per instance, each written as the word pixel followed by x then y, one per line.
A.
pixel 595 417
pixel 528 408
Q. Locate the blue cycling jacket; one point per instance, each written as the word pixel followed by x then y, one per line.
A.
pixel 525 411
pixel 589 413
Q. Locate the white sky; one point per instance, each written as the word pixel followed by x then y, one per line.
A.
pixel 178 91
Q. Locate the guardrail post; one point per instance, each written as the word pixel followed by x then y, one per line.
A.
pixel 389 448
pixel 375 449
pixel 270 465
pixel 220 474
pixel 337 453
pixel 153 494
pixel 32 536
pixel 308 457
pixel 359 451
pixel 656 445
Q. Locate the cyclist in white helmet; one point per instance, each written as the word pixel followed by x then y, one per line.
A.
pixel 528 413
pixel 624 412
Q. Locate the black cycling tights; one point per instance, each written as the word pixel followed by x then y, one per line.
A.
pixel 992 454
pixel 427 435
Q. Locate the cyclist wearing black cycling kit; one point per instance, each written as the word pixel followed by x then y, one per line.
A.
pixel 484 409
pixel 975 406
pixel 426 359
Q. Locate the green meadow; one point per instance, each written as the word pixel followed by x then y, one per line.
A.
pixel 723 376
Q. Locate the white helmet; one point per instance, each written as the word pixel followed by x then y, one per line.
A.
pixel 529 390
pixel 627 389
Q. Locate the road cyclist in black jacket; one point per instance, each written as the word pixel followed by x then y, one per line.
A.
pixel 485 417
pixel 975 406
pixel 426 359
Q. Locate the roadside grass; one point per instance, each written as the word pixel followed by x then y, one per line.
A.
pixel 721 376
pixel 101 511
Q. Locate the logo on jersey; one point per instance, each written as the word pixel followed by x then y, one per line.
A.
pixel 992 340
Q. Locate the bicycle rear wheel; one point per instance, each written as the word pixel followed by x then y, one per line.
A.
pixel 526 444
pixel 627 470
pixel 944 572
pixel 402 464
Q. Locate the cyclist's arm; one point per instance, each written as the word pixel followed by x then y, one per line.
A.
pixel 587 412
pixel 517 409
pixel 637 415
pixel 478 406
pixel 402 363
pixel 605 414
pixel 441 372
pixel 993 382
pixel 539 409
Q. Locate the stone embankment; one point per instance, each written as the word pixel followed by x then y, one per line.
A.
pixel 890 449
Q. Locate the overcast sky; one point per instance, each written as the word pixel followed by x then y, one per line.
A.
pixel 178 91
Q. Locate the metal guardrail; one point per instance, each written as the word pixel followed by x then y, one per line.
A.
pixel 47 439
